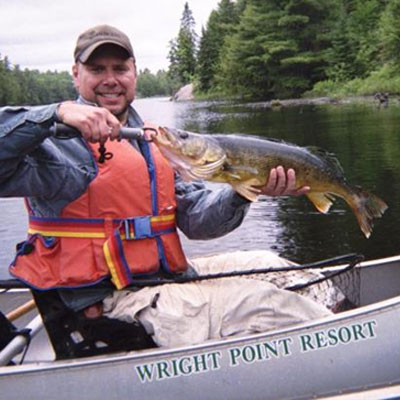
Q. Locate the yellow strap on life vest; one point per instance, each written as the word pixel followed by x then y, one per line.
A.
pixel 90 228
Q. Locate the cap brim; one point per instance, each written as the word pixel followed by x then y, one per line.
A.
pixel 85 55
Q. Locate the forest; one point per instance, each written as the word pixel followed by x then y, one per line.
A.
pixel 32 87
pixel 292 48
pixel 258 49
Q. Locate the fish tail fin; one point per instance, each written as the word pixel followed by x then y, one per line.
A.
pixel 366 206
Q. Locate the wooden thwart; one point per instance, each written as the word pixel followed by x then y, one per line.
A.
pixel 21 310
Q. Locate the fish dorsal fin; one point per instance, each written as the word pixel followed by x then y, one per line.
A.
pixel 328 157
pixel 321 201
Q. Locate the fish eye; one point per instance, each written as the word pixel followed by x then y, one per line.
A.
pixel 183 135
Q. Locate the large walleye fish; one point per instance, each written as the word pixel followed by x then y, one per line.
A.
pixel 245 162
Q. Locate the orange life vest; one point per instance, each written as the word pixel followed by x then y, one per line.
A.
pixel 123 225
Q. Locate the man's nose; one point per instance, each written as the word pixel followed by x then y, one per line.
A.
pixel 110 79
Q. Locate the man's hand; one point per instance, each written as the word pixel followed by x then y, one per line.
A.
pixel 281 183
pixel 96 124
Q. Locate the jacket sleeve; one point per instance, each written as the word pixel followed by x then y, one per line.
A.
pixel 22 130
pixel 207 214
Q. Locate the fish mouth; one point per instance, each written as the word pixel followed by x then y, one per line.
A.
pixel 167 138
pixel 171 147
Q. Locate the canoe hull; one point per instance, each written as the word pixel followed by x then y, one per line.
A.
pixel 348 353
pixel 351 351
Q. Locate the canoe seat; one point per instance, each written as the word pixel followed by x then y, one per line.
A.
pixel 73 335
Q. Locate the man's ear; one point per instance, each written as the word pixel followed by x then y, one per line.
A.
pixel 75 73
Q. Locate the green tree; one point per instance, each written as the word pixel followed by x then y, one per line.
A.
pixel 220 24
pixel 355 44
pixel 243 64
pixel 159 84
pixel 364 22
pixel 280 48
pixel 10 90
pixel 305 28
pixel 341 56
pixel 182 53
pixel 389 32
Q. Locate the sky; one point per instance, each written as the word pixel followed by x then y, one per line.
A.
pixel 41 34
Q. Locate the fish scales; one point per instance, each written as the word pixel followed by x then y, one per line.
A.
pixel 263 154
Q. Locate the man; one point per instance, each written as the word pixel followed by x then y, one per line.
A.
pixel 92 218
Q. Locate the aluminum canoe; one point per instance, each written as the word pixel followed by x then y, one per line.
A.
pixel 343 355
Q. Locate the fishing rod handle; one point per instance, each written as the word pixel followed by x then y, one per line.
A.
pixel 63 131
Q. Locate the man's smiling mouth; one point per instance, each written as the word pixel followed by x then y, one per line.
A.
pixel 110 95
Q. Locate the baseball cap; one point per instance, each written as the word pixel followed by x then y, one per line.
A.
pixel 92 38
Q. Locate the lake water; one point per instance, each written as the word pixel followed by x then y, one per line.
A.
pixel 366 140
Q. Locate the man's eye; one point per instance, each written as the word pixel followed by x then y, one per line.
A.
pixel 121 70
pixel 96 70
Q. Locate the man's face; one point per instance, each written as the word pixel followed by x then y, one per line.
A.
pixel 108 79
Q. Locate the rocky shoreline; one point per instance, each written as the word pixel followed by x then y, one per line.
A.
pixel 186 93
pixel 324 100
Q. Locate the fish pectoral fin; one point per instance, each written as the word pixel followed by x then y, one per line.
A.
pixel 246 189
pixel 207 170
pixel 321 201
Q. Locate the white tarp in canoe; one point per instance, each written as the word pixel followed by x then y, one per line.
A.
pixel 183 314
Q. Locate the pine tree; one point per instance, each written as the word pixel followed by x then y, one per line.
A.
pixel 220 24
pixel 182 54
pixel 243 64
pixel 280 48
pixel 355 42
pixel 389 32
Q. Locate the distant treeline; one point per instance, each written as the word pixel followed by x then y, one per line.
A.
pixel 259 49
pixel 32 87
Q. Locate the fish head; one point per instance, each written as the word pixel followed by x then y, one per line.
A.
pixel 194 155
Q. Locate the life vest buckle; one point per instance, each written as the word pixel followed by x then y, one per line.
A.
pixel 137 228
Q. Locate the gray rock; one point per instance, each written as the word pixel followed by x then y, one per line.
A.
pixel 185 93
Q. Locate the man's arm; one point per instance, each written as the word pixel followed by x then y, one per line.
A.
pixel 32 164
pixel 206 214
pixel 22 130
